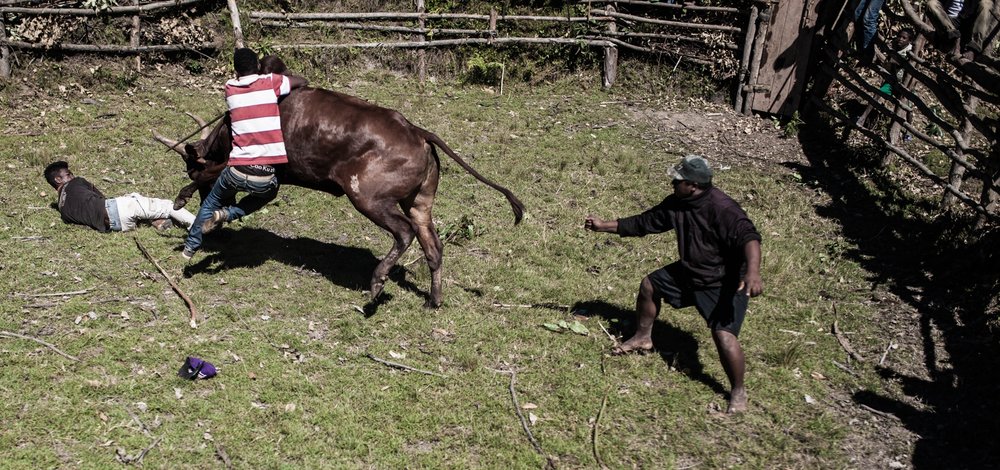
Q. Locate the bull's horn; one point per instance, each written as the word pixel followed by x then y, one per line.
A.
pixel 201 122
pixel 172 144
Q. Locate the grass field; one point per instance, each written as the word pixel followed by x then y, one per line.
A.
pixel 286 319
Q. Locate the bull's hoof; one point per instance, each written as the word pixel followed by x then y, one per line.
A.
pixel 430 304
pixel 179 203
pixel 376 290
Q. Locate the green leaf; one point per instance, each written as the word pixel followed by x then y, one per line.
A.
pixel 552 326
pixel 563 324
pixel 578 328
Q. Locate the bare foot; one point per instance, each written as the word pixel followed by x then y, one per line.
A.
pixel 737 401
pixel 633 345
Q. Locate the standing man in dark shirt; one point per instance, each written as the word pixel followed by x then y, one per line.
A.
pixel 81 203
pixel 718 270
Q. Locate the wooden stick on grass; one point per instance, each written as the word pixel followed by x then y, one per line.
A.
pixel 8 334
pixel 597 422
pixel 842 340
pixel 54 294
pixel 177 289
pixel 404 367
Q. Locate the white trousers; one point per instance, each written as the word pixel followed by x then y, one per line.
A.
pixel 134 208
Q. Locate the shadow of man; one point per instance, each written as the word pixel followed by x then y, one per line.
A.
pixel 676 347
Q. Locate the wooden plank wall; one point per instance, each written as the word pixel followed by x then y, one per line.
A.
pixel 781 78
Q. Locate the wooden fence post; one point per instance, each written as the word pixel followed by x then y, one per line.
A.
pixel 610 54
pixel 764 18
pixel 745 60
pixel 422 52
pixel 4 52
pixel 234 13
pixel 134 40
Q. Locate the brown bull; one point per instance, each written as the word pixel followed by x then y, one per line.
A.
pixel 336 143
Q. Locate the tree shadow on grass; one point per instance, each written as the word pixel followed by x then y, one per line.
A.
pixel 676 347
pixel 345 266
pixel 944 271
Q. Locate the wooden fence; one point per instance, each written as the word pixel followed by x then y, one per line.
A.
pixel 597 24
pixel 137 11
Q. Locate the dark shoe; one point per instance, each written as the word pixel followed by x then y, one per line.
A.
pixel 187 254
pixel 162 225
pixel 219 217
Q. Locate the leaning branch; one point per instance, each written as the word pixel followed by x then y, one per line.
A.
pixel 177 289
pixel 404 367
pixel 8 334
pixel 846 345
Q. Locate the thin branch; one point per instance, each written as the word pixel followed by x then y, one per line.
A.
pixel 614 341
pixel 880 413
pixel 597 422
pixel 517 409
pixel 54 294
pixel 177 289
pixel 886 353
pixel 9 334
pixel 844 368
pixel 404 367
pixel 221 453
pixel 92 12
pixel 109 48
pixel 845 344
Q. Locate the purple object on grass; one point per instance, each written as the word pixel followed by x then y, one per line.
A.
pixel 195 368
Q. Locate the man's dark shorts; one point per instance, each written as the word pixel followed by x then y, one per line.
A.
pixel 673 285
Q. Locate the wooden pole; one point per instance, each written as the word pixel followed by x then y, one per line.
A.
pixel 111 49
pixel 134 40
pixel 764 19
pixel 4 51
pixel 234 13
pixel 422 37
pixel 957 173
pixel 747 48
pixel 610 55
pixel 92 12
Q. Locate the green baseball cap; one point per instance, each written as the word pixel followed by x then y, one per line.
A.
pixel 692 168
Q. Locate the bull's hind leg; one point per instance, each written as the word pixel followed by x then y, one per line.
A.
pixel 385 214
pixel 419 211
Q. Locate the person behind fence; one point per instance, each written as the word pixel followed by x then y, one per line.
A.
pixel 718 269
pixel 80 202
pixel 954 19
pixel 866 16
pixel 258 145
pixel 902 47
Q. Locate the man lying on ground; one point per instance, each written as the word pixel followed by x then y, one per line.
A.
pixel 81 203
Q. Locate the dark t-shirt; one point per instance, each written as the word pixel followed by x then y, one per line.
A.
pixel 711 231
pixel 81 203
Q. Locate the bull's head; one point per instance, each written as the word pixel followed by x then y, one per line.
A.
pixel 204 158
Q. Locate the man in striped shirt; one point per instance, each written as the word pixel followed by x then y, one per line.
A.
pixel 257 146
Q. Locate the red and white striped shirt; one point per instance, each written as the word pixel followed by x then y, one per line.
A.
pixel 256 123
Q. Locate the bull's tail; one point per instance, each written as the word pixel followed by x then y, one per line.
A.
pixel 515 203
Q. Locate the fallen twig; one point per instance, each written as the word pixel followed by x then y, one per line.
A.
pixel 614 342
pixel 404 367
pixel 846 345
pixel 844 368
pixel 54 294
pixel 142 426
pixel 219 451
pixel 886 353
pixel 9 334
pixel 31 238
pixel 558 306
pixel 791 332
pixel 597 422
pixel 520 416
pixel 880 413
pixel 177 289
pixel 138 459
